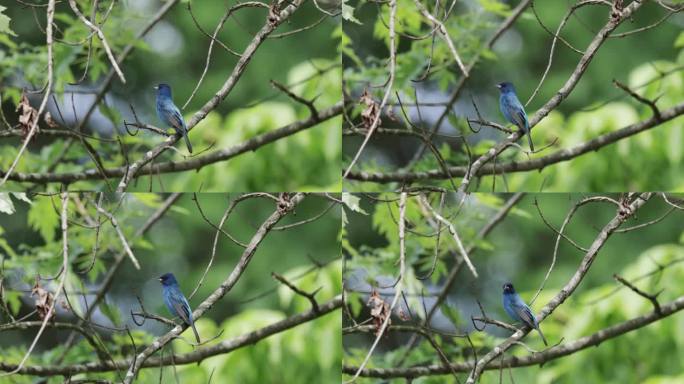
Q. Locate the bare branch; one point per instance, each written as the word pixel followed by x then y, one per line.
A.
pixel 532 359
pixel 527 165
pixel 286 205
pixel 388 88
pixel 397 289
pixel 198 355
pixel 652 298
pixel 309 296
pixel 101 36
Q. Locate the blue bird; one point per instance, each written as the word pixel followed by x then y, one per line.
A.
pixel 518 310
pixel 176 302
pixel 513 110
pixel 169 114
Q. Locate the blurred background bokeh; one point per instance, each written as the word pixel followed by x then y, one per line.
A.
pixel 519 249
pixel 181 242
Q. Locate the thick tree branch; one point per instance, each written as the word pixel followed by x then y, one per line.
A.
pixel 271 24
pixel 284 207
pixel 195 163
pixel 532 164
pixel 623 213
pixel 505 25
pixel 547 355
pixel 198 355
pixel 118 260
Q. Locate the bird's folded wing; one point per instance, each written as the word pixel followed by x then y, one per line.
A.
pixel 182 310
pixel 519 119
pixel 525 315
pixel 175 118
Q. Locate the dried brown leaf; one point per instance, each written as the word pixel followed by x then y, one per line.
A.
pixel 379 310
pixel 43 301
pixel 372 109
pixel 27 114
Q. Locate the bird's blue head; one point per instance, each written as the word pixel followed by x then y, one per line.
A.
pixel 168 279
pixel 163 90
pixel 508 289
pixel 506 87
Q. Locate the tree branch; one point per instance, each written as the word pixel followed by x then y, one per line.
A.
pixel 187 358
pixel 284 207
pixel 271 24
pixel 532 164
pixel 195 163
pixel 532 359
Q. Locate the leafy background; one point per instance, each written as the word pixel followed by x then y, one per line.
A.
pixel 30 244
pixel 520 250
pixel 651 160
pixel 175 52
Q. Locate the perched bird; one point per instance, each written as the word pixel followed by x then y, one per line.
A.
pixel 169 114
pixel 176 302
pixel 518 310
pixel 513 110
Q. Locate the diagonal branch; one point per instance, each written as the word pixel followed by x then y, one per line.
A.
pixel 397 288
pixel 271 24
pixel 652 298
pixel 528 165
pixel 284 207
pixel 101 36
pixel 48 89
pixel 388 88
pixel 63 271
pixel 196 163
pixel 444 34
pixel 196 356
pixel 540 358
pixel 620 217
pixel 454 234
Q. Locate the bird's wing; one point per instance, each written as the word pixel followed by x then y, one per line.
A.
pixel 175 118
pixel 525 314
pixel 519 118
pixel 183 309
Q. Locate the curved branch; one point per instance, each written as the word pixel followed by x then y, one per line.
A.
pixel 195 163
pixel 532 359
pixel 187 358
pixel 271 24
pixel 622 214
pixel 528 165
pixel 285 206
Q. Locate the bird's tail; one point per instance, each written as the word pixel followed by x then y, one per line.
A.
pixel 529 140
pixel 187 140
pixel 538 329
pixel 194 330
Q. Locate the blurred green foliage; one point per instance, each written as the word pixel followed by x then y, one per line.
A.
pixel 520 250
pixel 175 52
pixel 181 242
pixel 649 62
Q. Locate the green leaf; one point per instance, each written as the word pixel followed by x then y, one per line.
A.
pixel 21 196
pixel 352 202
pixel 6 205
pixel 13 299
pixel 4 23
pixel 43 218
pixel 348 13
pixel 112 312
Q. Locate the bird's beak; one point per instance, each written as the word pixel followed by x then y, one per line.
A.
pixel 159 279
pixel 498 86
pixel 155 87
